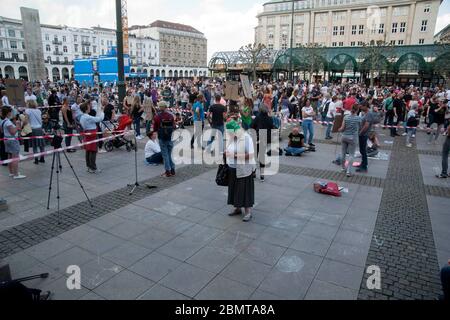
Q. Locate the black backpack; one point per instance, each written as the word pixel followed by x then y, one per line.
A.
pixel 166 130
pixel 325 109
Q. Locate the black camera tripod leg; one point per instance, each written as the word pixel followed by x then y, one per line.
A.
pixel 51 181
pixel 136 184
pixel 58 198
pixel 78 179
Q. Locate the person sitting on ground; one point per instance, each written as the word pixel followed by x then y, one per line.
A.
pixel 372 145
pixel 296 145
pixel 179 121
pixel 153 154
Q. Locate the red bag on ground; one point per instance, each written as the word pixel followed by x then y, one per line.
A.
pixel 330 188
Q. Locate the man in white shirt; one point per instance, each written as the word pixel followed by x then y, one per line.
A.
pixel 153 154
pixel 29 95
pixel 5 100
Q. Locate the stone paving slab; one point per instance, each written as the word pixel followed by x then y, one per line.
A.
pixel 305 245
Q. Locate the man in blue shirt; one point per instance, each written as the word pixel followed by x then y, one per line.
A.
pixel 199 116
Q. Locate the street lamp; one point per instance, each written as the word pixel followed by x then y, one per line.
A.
pixel 291 73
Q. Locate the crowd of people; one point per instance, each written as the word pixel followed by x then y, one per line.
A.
pixel 157 109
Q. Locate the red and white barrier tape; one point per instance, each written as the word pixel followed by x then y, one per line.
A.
pixel 376 125
pixel 63 136
pixel 41 154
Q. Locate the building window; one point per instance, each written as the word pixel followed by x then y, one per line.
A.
pixel 334 44
pixel 25 58
pixel 423 28
pixel 94 49
pixel 361 29
pixel 421 41
pixel 103 51
pixel 15 56
pixel 75 47
pixel 21 34
pixel 94 39
pixel 47 48
pixel 47 37
pixel 400 42
pixel 64 39
pixel 352 43
pixel 381 28
pixel 342 30
pixel 66 60
pixel 402 27
pixel 341 44
pixel 392 42
pixel 1 44
pixel 65 49
pixel 13 44
pixel 335 31
pixel 75 38
pixel 427 8
pixel 23 45
pixel 283 46
pixel 103 42
pixel 394 27
pixel 2 55
pixel 354 29
pixel 12 33
pixel 360 43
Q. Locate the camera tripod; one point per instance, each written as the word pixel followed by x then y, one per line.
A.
pixel 57 161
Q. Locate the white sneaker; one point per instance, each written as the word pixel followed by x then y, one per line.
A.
pixel 404 135
pixel 19 177
pixel 409 145
pixel 413 135
pixel 139 138
pixel 102 151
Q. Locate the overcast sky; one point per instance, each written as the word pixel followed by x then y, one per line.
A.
pixel 227 24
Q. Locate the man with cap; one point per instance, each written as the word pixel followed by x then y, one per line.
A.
pixel 164 124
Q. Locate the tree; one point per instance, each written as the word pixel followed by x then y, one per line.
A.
pixel 253 55
pixel 441 64
pixel 376 57
pixel 313 56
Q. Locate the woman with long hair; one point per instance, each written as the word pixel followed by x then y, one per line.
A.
pixel 68 122
pixel 263 125
pixel 136 112
pixel 10 128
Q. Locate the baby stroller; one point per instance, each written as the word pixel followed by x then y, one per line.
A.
pixel 188 118
pixel 124 122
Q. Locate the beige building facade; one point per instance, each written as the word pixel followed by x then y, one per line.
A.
pixel 179 45
pixel 346 23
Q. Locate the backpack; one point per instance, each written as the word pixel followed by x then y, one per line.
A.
pixel 330 188
pixel 324 109
pixel 390 105
pixel 166 130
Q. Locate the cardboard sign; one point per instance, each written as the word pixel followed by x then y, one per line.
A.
pixel 338 119
pixel 231 90
pixel 15 92
pixel 246 86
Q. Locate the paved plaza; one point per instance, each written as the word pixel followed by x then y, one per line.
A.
pixel 177 241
